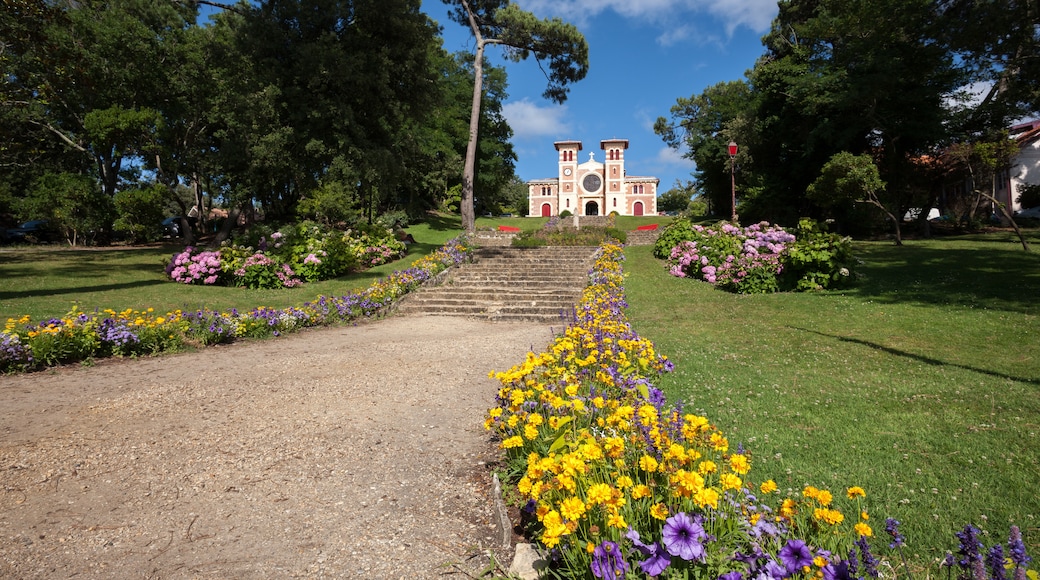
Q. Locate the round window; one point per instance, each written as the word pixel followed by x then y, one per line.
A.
pixel 591 183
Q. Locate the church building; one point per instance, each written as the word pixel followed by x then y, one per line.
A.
pixel 592 188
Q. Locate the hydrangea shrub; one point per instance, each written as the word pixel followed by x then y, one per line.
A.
pixel 760 258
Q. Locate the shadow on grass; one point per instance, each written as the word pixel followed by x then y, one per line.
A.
pixel 973 276
pixel 440 222
pixel 917 357
pixel 36 292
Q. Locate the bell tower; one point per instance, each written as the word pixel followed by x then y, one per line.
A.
pixel 568 162
pixel 614 175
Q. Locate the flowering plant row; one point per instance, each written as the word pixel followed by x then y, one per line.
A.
pixel 79 336
pixel 760 258
pixel 618 483
pixel 285 258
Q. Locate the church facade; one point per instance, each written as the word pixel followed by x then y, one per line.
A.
pixel 592 187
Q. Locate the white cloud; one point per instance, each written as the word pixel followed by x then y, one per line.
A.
pixel 756 15
pixel 528 119
pixel 671 158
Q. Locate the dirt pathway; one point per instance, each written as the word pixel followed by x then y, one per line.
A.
pixel 347 453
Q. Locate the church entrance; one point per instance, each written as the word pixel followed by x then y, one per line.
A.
pixel 592 208
pixel 637 208
pixel 546 210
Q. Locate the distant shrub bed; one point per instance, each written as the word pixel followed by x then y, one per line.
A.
pixel 287 257
pixel 554 233
pixel 80 336
pixel 758 259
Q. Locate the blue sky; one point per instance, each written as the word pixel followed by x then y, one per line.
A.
pixel 643 55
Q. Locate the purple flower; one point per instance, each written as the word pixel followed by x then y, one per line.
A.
pixel 892 527
pixel 657 558
pixel 971 548
pixel 837 571
pixel 683 537
pixel 795 555
pixel 995 561
pixel 608 563
pixel 870 563
pixel 1017 548
pixel 734 575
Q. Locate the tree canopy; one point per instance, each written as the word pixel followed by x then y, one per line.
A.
pixel 889 79
pixel 271 104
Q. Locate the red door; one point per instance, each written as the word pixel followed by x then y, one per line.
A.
pixel 637 208
pixel 546 210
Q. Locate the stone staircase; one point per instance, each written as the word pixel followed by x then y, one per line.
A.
pixel 509 284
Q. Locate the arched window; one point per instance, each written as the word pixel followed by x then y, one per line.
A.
pixel 615 202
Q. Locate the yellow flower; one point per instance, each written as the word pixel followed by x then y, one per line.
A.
pixel 687 483
pixel 572 508
pixel 820 561
pixel 496 412
pixel 768 486
pixel 707 497
pixel 739 464
pixel 648 463
pixel 855 491
pixel 599 493
pixel 659 511
pixel 824 497
pixel 623 482
pixel 707 467
pixel 719 443
pixel 832 517
pixel 863 529
pixel 616 520
pixel 530 431
pixel 730 481
pixel 640 491
pixel 615 447
pixel 514 441
pixel 863 516
pixel 787 508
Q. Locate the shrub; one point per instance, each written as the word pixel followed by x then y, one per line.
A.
pixel 744 261
pixel 817 259
pixel 680 230
pixel 566 213
pixel 761 258
pixel 139 213
pixel 193 266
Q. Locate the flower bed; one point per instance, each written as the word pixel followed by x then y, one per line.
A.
pixel 286 258
pixel 616 482
pixel 78 336
pixel 760 258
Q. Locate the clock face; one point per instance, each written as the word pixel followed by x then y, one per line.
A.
pixel 567 171
pixel 591 183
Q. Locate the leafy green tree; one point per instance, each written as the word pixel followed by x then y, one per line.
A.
pixel 678 198
pixel 498 22
pixel 981 162
pixel 139 212
pixel 74 205
pixel 847 179
pixel 704 125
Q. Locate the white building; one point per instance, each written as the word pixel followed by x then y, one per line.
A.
pixel 592 188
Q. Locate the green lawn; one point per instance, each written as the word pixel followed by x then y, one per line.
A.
pixel 47 281
pixel 921 384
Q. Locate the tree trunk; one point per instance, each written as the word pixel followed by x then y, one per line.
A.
pixel 469 218
pixel 1007 214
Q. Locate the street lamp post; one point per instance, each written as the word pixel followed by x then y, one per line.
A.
pixel 732 181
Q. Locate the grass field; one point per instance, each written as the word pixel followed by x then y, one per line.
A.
pixel 921 384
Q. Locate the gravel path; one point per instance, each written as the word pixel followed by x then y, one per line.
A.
pixel 354 452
